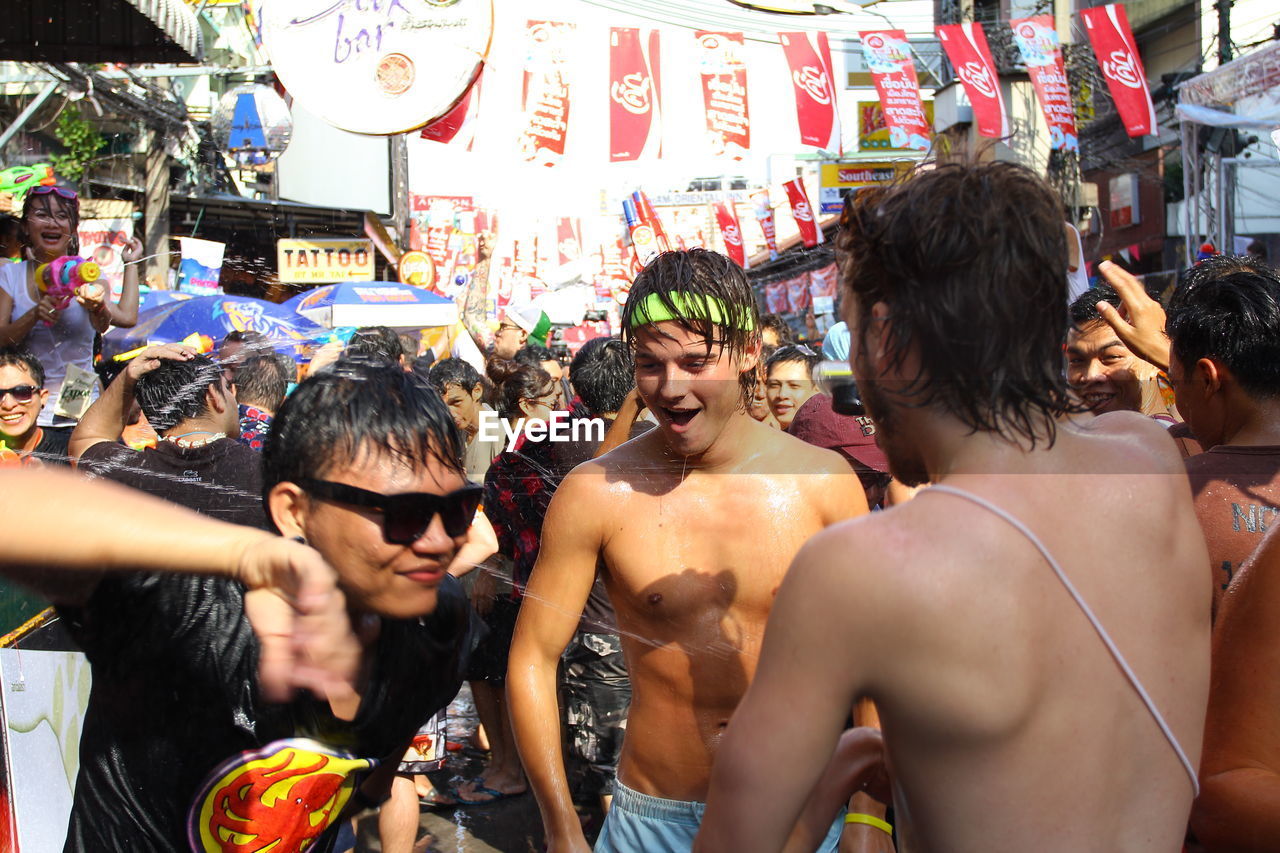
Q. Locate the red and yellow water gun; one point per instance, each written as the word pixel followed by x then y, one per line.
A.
pixel 59 278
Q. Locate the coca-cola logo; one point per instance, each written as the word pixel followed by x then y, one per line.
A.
pixel 1027 31
pixel 814 81
pixel 976 76
pixel 875 42
pixel 632 92
pixel 1122 68
pixel 711 41
pixel 732 235
pixel 802 211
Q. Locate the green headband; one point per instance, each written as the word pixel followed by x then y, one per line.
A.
pixel 690 306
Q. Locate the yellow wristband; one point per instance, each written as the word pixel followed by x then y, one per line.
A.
pixel 855 817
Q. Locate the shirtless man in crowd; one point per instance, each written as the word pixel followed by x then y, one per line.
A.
pixel 1008 724
pixel 693 525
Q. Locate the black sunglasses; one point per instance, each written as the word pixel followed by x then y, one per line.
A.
pixel 405 517
pixel 21 393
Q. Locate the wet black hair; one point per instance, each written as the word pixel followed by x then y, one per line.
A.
pixel 801 353
pixel 1228 308
pixel 177 390
pixel 779 325
pixel 533 355
pixel 72 206
pixel 971 260
pixel 17 357
pixel 452 371
pixel 356 406
pixel 698 272
pixel 516 382
pixel 1084 311
pixel 602 374
pixel 261 381
pixel 10 227
pixel 376 342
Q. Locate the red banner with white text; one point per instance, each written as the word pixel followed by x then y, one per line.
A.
pixel 814 82
pixel 888 57
pixel 810 233
pixel 635 117
pixel 1037 41
pixel 1113 44
pixel 546 91
pixel 966 47
pixel 458 126
pixel 568 239
pixel 731 231
pixel 724 93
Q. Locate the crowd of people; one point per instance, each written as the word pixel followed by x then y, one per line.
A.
pixel 1017 594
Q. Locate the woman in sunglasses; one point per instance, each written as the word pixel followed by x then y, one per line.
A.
pixel 62 338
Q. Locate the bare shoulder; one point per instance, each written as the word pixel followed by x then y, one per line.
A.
pixel 1142 438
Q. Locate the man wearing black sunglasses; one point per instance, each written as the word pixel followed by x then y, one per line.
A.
pixel 22 396
pixel 364 464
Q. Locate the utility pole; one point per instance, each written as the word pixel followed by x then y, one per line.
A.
pixel 1226 171
pixel 1224 31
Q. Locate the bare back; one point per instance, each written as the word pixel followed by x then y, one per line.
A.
pixel 1001 699
pixel 693 561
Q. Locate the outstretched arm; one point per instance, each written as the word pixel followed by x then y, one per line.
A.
pixel 553 601
pixel 1239 804
pixel 293 604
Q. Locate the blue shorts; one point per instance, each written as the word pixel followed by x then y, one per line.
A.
pixel 639 823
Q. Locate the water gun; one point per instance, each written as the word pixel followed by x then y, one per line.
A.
pixel 9 458
pixel 202 344
pixel 60 278
pixel 20 179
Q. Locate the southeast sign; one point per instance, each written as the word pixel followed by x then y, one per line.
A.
pixel 323 261
pixel 835 179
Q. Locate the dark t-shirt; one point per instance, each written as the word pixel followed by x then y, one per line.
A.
pixel 52 449
pixel 1237 493
pixel 174 704
pixel 222 479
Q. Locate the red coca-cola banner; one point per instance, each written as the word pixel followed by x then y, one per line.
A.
pixel 546 91
pixel 568 239
pixel 810 233
pixel 888 57
pixel 814 83
pixel 459 124
pixel 1037 41
pixel 635 119
pixel 724 93
pixel 966 47
pixel 764 215
pixel 731 231
pixel 1113 44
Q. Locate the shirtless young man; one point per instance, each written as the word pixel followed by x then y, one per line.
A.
pixel 1008 725
pixel 693 525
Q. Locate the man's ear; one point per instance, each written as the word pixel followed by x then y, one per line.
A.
pixel 878 336
pixel 214 398
pixel 477 392
pixel 750 357
pixel 1210 376
pixel 288 506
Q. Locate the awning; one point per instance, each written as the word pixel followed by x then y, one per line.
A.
pixel 222 212
pixel 129 31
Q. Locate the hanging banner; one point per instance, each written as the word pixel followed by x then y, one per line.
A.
pixel 1038 43
pixel 635 117
pixel 966 47
pixel 810 233
pixel 1117 52
pixel 201 266
pixel 569 239
pixel 764 215
pixel 888 58
pixel 724 93
pixel 546 91
pixel 731 231
pixel 813 81
pixel 459 124
pixel 101 241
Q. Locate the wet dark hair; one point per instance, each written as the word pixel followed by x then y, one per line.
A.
pixel 261 381
pixel 359 405
pixel 516 382
pixel 602 373
pixel 779 325
pixel 697 272
pixel 72 206
pixel 375 342
pixel 1228 308
pixel 452 371
pixel 971 261
pixel 176 390
pixel 10 227
pixel 1084 311
pixel 533 355
pixel 801 353
pixel 16 357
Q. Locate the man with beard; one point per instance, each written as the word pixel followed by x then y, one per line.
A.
pixel 986 618
pixel 692 526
